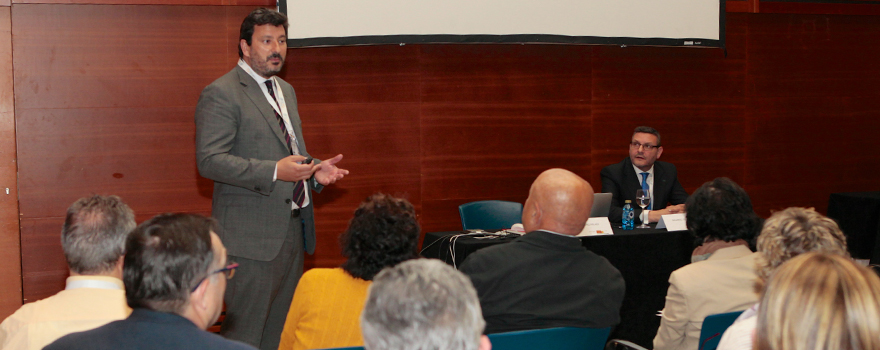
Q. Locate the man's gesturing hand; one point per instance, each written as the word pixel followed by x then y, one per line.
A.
pixel 289 170
pixel 328 173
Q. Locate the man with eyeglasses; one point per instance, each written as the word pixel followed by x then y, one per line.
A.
pixel 642 170
pixel 175 273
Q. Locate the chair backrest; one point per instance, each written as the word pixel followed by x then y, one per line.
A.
pixel 562 338
pixel 713 327
pixel 489 215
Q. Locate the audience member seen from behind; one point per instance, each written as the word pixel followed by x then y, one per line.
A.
pixel 93 240
pixel 786 234
pixel 423 304
pixel 724 271
pixel 175 275
pixel 546 278
pixel 819 301
pixel 327 304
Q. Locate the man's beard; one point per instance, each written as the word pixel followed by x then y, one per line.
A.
pixel 263 68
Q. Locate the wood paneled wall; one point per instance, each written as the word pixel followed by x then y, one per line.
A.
pixel 10 250
pixel 105 96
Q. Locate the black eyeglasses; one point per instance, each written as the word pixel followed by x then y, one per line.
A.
pixel 636 145
pixel 229 271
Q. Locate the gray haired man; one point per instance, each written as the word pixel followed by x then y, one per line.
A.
pixel 423 304
pixel 93 240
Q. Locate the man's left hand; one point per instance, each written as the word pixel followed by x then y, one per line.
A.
pixel 328 173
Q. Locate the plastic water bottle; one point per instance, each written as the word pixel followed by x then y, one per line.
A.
pixel 628 216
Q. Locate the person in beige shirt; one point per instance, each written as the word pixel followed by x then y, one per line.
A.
pixel 724 269
pixel 93 240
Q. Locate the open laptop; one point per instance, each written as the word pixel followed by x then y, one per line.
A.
pixel 601 205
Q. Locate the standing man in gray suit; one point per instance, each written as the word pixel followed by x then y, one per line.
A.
pixel 249 141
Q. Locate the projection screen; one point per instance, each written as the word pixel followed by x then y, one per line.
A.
pixel 624 22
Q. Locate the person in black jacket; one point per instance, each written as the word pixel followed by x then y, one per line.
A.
pixel 546 278
pixel 624 178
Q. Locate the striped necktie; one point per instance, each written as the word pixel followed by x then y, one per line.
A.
pixel 299 193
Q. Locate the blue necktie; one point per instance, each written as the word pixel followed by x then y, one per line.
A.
pixel 647 189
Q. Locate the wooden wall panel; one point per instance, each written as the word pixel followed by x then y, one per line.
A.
pixel 10 251
pixel 812 109
pixel 105 97
pixel 105 106
pixel 494 117
pixel 361 102
pixel 694 97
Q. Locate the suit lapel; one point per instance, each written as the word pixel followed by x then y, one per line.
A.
pixel 661 187
pixel 630 180
pixel 255 94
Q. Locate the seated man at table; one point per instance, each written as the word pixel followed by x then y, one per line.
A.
pixel 642 170
pixel 546 278
pixel 175 273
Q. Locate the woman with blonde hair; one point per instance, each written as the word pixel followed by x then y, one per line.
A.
pixel 786 234
pixel 820 301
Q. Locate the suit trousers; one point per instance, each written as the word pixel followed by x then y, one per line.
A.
pixel 259 295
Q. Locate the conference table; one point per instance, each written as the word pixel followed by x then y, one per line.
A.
pixel 645 258
pixel 858 214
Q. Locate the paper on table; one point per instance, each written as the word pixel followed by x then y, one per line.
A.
pixel 597 226
pixel 673 222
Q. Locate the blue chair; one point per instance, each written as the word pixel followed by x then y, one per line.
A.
pixel 489 215
pixel 713 327
pixel 562 338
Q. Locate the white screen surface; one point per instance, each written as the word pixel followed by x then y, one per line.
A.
pixel 341 22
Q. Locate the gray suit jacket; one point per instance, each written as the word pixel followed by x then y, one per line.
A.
pixel 238 142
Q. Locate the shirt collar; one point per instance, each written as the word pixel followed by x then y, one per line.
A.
pixel 99 282
pixel 640 171
pixel 556 233
pixel 250 71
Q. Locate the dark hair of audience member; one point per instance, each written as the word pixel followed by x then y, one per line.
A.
pixel 383 232
pixel 258 17
pixel 166 257
pixel 721 210
pixel 94 232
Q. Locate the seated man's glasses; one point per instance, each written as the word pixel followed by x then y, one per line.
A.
pixel 636 145
pixel 229 271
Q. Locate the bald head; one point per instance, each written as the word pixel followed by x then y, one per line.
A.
pixel 559 201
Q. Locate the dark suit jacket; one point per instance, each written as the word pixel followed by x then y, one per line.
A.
pixel 238 142
pixel 544 280
pixel 146 329
pixel 621 180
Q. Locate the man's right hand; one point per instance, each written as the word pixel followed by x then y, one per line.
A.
pixel 290 170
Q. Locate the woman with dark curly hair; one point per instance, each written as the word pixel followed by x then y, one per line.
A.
pixel 327 304
pixel 723 272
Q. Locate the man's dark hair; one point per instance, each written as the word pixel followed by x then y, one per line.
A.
pixel 720 209
pixel 94 232
pixel 259 17
pixel 166 257
pixel 383 232
pixel 648 130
